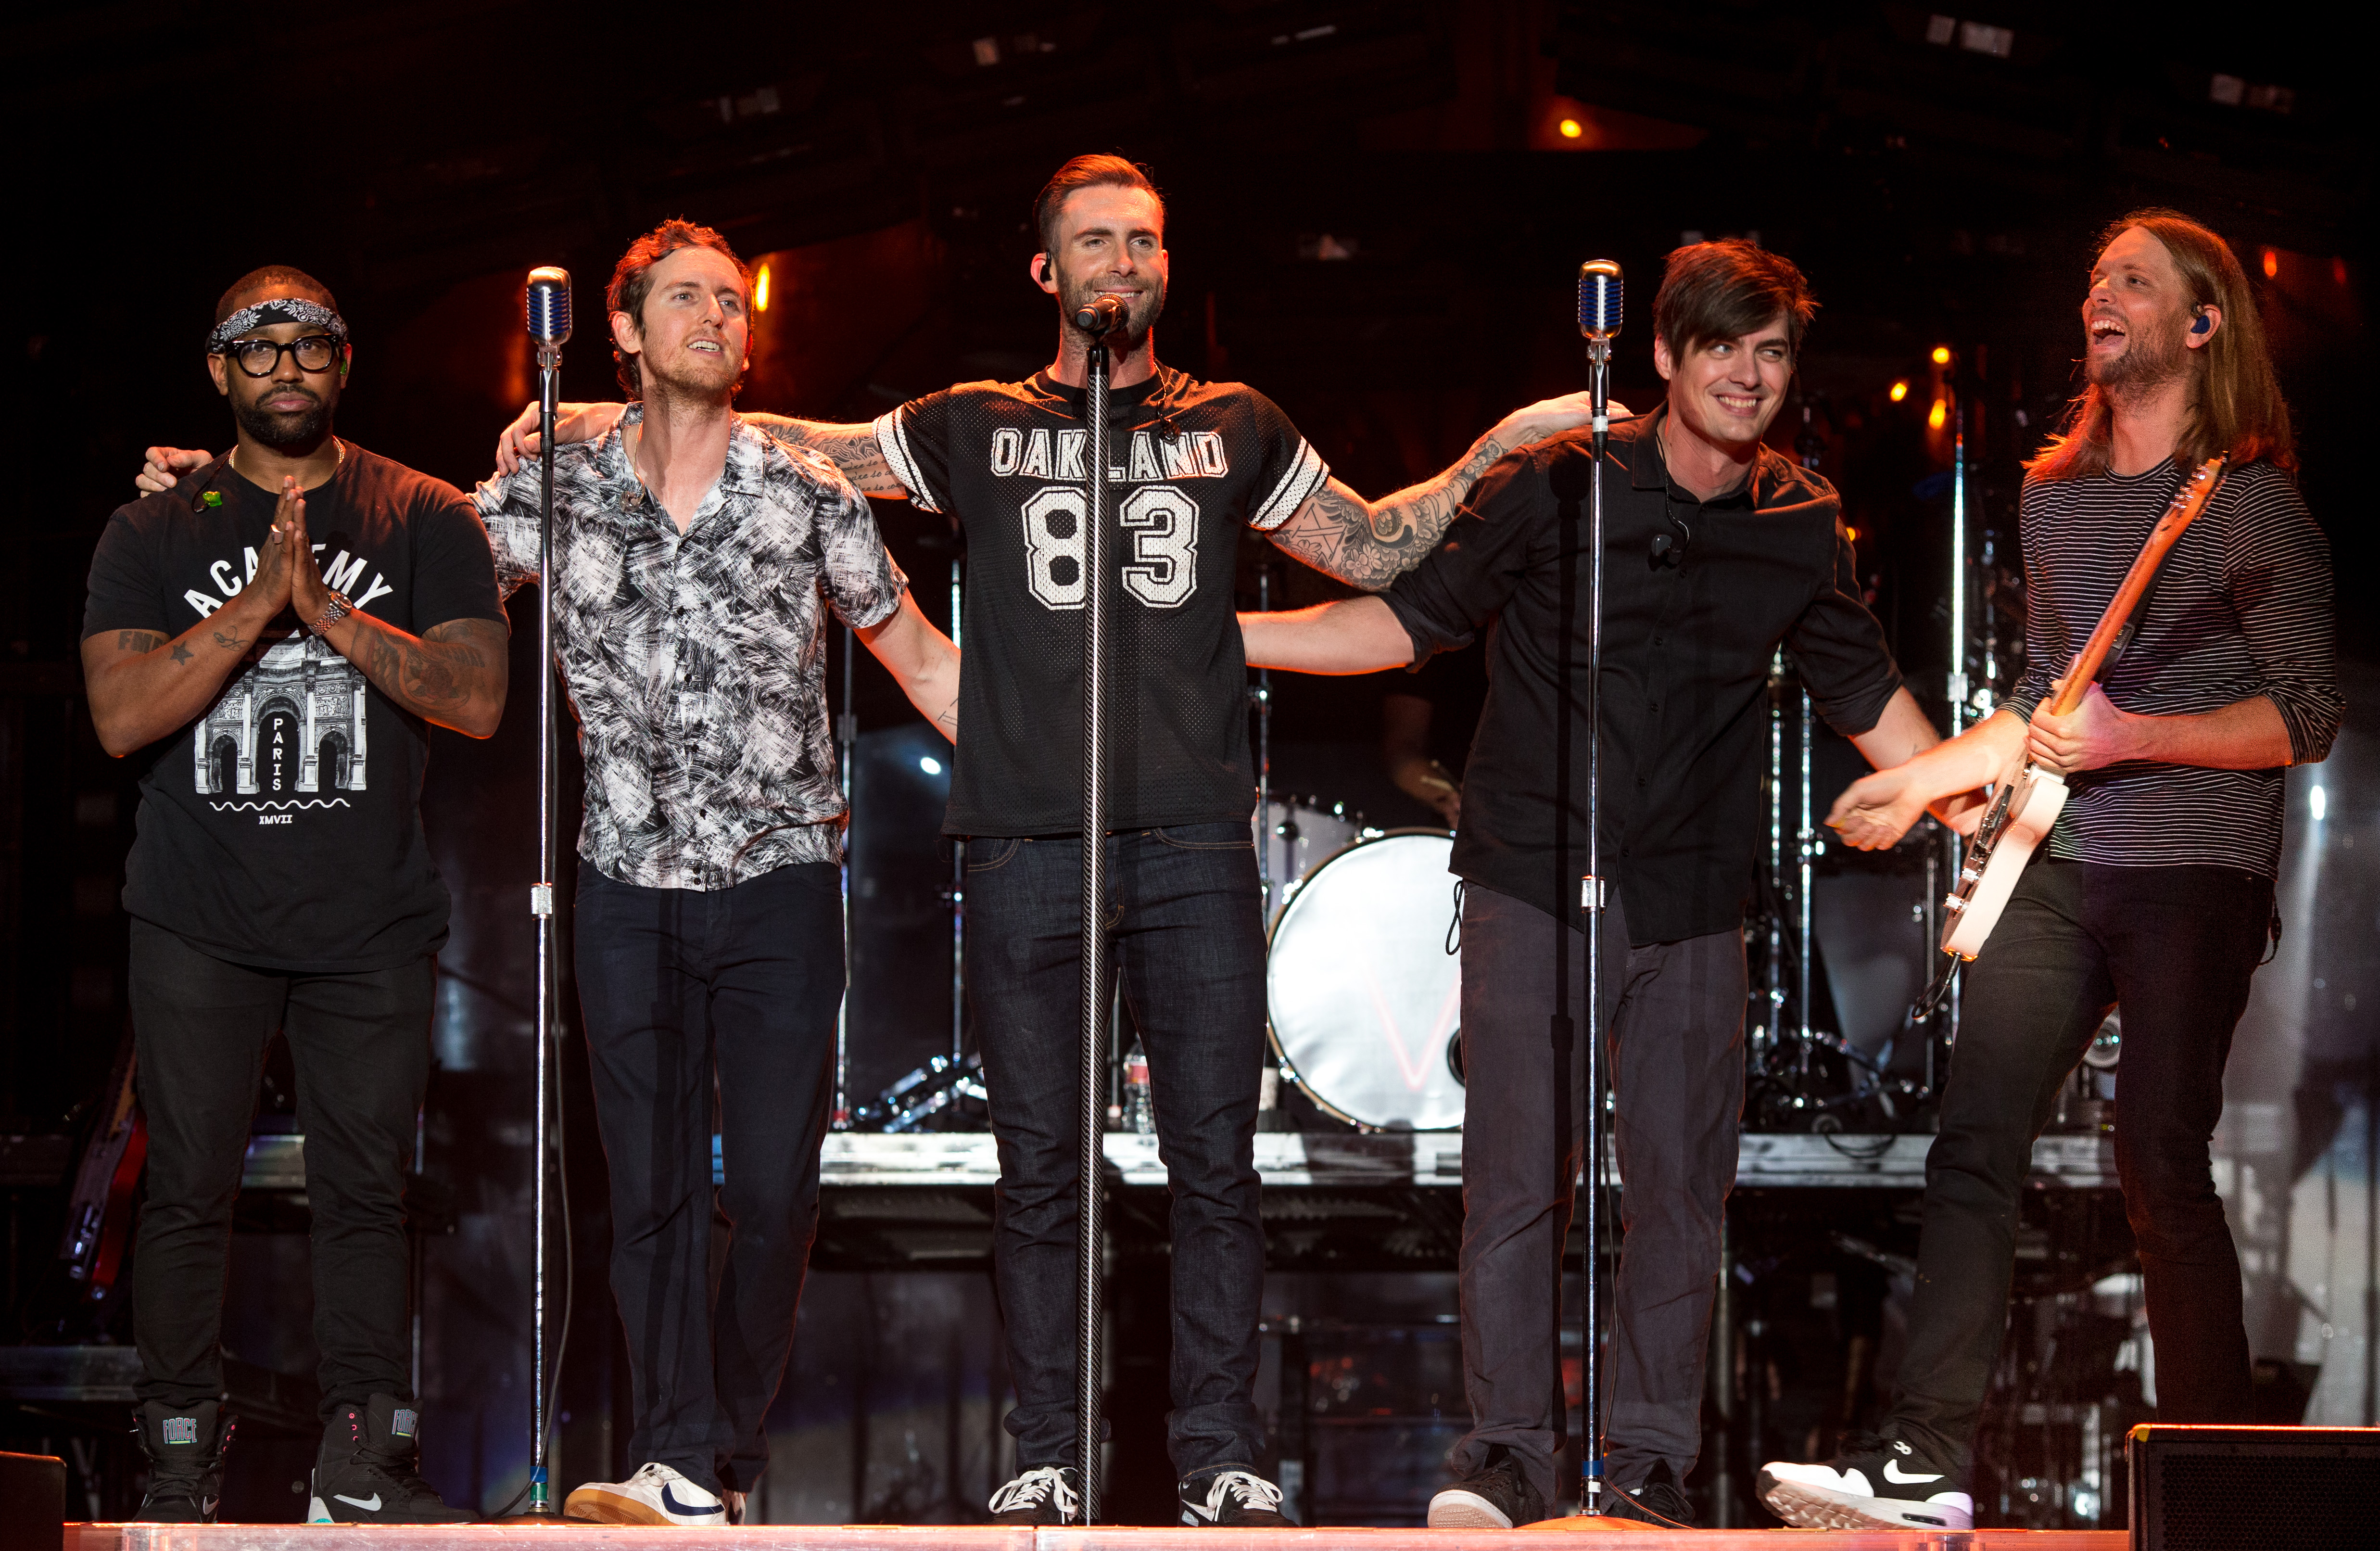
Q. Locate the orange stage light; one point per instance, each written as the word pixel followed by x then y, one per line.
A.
pixel 1899 392
pixel 2272 262
pixel 761 290
pixel 1941 355
pixel 1938 415
pixel 1852 534
pixel 1571 129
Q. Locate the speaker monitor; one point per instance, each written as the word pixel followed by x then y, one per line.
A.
pixel 32 1502
pixel 2252 1488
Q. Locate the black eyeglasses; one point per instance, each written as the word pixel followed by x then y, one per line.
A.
pixel 262 358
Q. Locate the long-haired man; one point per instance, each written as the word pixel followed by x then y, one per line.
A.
pixel 2156 890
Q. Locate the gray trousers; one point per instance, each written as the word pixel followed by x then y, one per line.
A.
pixel 1673 1017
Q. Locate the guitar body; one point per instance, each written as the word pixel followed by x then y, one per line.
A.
pixel 2018 821
pixel 2023 810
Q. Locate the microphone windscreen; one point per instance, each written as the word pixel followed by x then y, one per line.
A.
pixel 1599 297
pixel 549 305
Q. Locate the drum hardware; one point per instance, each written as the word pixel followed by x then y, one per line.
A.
pixel 925 1093
pixel 1301 833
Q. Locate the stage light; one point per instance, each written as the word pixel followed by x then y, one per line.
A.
pixel 761 290
pixel 2317 803
pixel 1941 355
pixel 1899 392
pixel 2272 262
pixel 1939 414
pixel 930 765
pixel 1851 532
pixel 1571 129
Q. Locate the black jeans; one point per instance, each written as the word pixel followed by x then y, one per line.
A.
pixel 1184 916
pixel 2176 946
pixel 687 993
pixel 360 1043
pixel 1673 1019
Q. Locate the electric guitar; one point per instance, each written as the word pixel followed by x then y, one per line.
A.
pixel 2023 809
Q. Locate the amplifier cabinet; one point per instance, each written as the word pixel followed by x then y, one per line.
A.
pixel 2253 1489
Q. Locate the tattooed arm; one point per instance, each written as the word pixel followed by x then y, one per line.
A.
pixel 1368 543
pixel 852 447
pixel 143 686
pixel 451 674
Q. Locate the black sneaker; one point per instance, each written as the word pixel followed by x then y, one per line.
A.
pixel 1659 1501
pixel 1497 1497
pixel 1227 1497
pixel 1875 1483
pixel 367 1470
pixel 185 1447
pixel 1045 1495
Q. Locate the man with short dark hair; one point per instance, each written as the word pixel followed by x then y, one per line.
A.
pixel 281 881
pixel 2155 888
pixel 1718 552
pixel 1196 465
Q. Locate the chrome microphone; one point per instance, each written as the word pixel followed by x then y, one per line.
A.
pixel 1599 295
pixel 549 307
pixel 1102 315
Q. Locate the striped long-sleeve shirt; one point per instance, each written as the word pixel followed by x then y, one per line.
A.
pixel 2242 608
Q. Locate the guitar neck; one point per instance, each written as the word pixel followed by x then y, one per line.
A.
pixel 2188 502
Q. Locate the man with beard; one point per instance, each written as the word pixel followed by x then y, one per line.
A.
pixel 1718 553
pixel 695 557
pixel 281 881
pixel 2155 887
pixel 1196 464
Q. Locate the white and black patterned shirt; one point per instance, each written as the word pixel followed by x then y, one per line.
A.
pixel 2241 607
pixel 695 662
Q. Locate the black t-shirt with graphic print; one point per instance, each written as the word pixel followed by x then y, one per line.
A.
pixel 1191 464
pixel 283 828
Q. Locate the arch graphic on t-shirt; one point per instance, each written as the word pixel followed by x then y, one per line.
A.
pixel 294 722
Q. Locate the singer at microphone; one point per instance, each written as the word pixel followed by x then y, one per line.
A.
pixel 1718 551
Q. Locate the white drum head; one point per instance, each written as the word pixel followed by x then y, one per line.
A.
pixel 1364 998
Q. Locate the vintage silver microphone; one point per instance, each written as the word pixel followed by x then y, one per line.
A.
pixel 1600 294
pixel 548 303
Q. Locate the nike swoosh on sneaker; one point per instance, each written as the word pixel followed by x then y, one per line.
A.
pixel 1898 1477
pixel 369 1505
pixel 1205 1514
pixel 670 1504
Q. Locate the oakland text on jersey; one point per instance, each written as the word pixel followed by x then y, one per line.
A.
pixel 1188 456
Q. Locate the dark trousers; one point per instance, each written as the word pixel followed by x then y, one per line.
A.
pixel 1184 914
pixel 1674 1016
pixel 689 994
pixel 360 1043
pixel 2176 946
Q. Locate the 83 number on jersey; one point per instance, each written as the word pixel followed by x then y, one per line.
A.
pixel 1161 522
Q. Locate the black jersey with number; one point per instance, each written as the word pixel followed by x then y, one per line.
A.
pixel 1190 465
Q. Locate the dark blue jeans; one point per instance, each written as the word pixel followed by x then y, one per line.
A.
pixel 1184 914
pixel 683 990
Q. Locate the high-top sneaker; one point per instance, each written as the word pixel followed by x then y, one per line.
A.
pixel 366 1472
pixel 185 1447
pixel 1496 1497
pixel 1046 1495
pixel 1226 1498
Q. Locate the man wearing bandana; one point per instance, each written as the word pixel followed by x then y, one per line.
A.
pixel 272 637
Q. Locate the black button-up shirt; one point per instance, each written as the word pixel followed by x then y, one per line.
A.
pixel 1689 631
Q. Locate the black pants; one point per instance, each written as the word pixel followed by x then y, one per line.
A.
pixel 687 993
pixel 2174 947
pixel 360 1043
pixel 1186 923
pixel 1673 1017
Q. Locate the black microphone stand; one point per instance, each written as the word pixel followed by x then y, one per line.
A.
pixel 1089 1281
pixel 1593 890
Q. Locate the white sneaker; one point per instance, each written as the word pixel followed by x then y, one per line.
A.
pixel 1875 1483
pixel 655 1494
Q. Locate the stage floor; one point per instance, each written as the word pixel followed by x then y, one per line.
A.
pixel 903 1538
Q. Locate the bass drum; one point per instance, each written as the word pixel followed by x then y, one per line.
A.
pixel 1365 1001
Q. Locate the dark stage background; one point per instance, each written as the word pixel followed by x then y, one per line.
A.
pixel 1376 211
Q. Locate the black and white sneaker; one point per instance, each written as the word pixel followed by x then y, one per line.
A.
pixel 366 1472
pixel 1045 1495
pixel 185 1447
pixel 1876 1483
pixel 1227 1497
pixel 1659 1501
pixel 1497 1497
